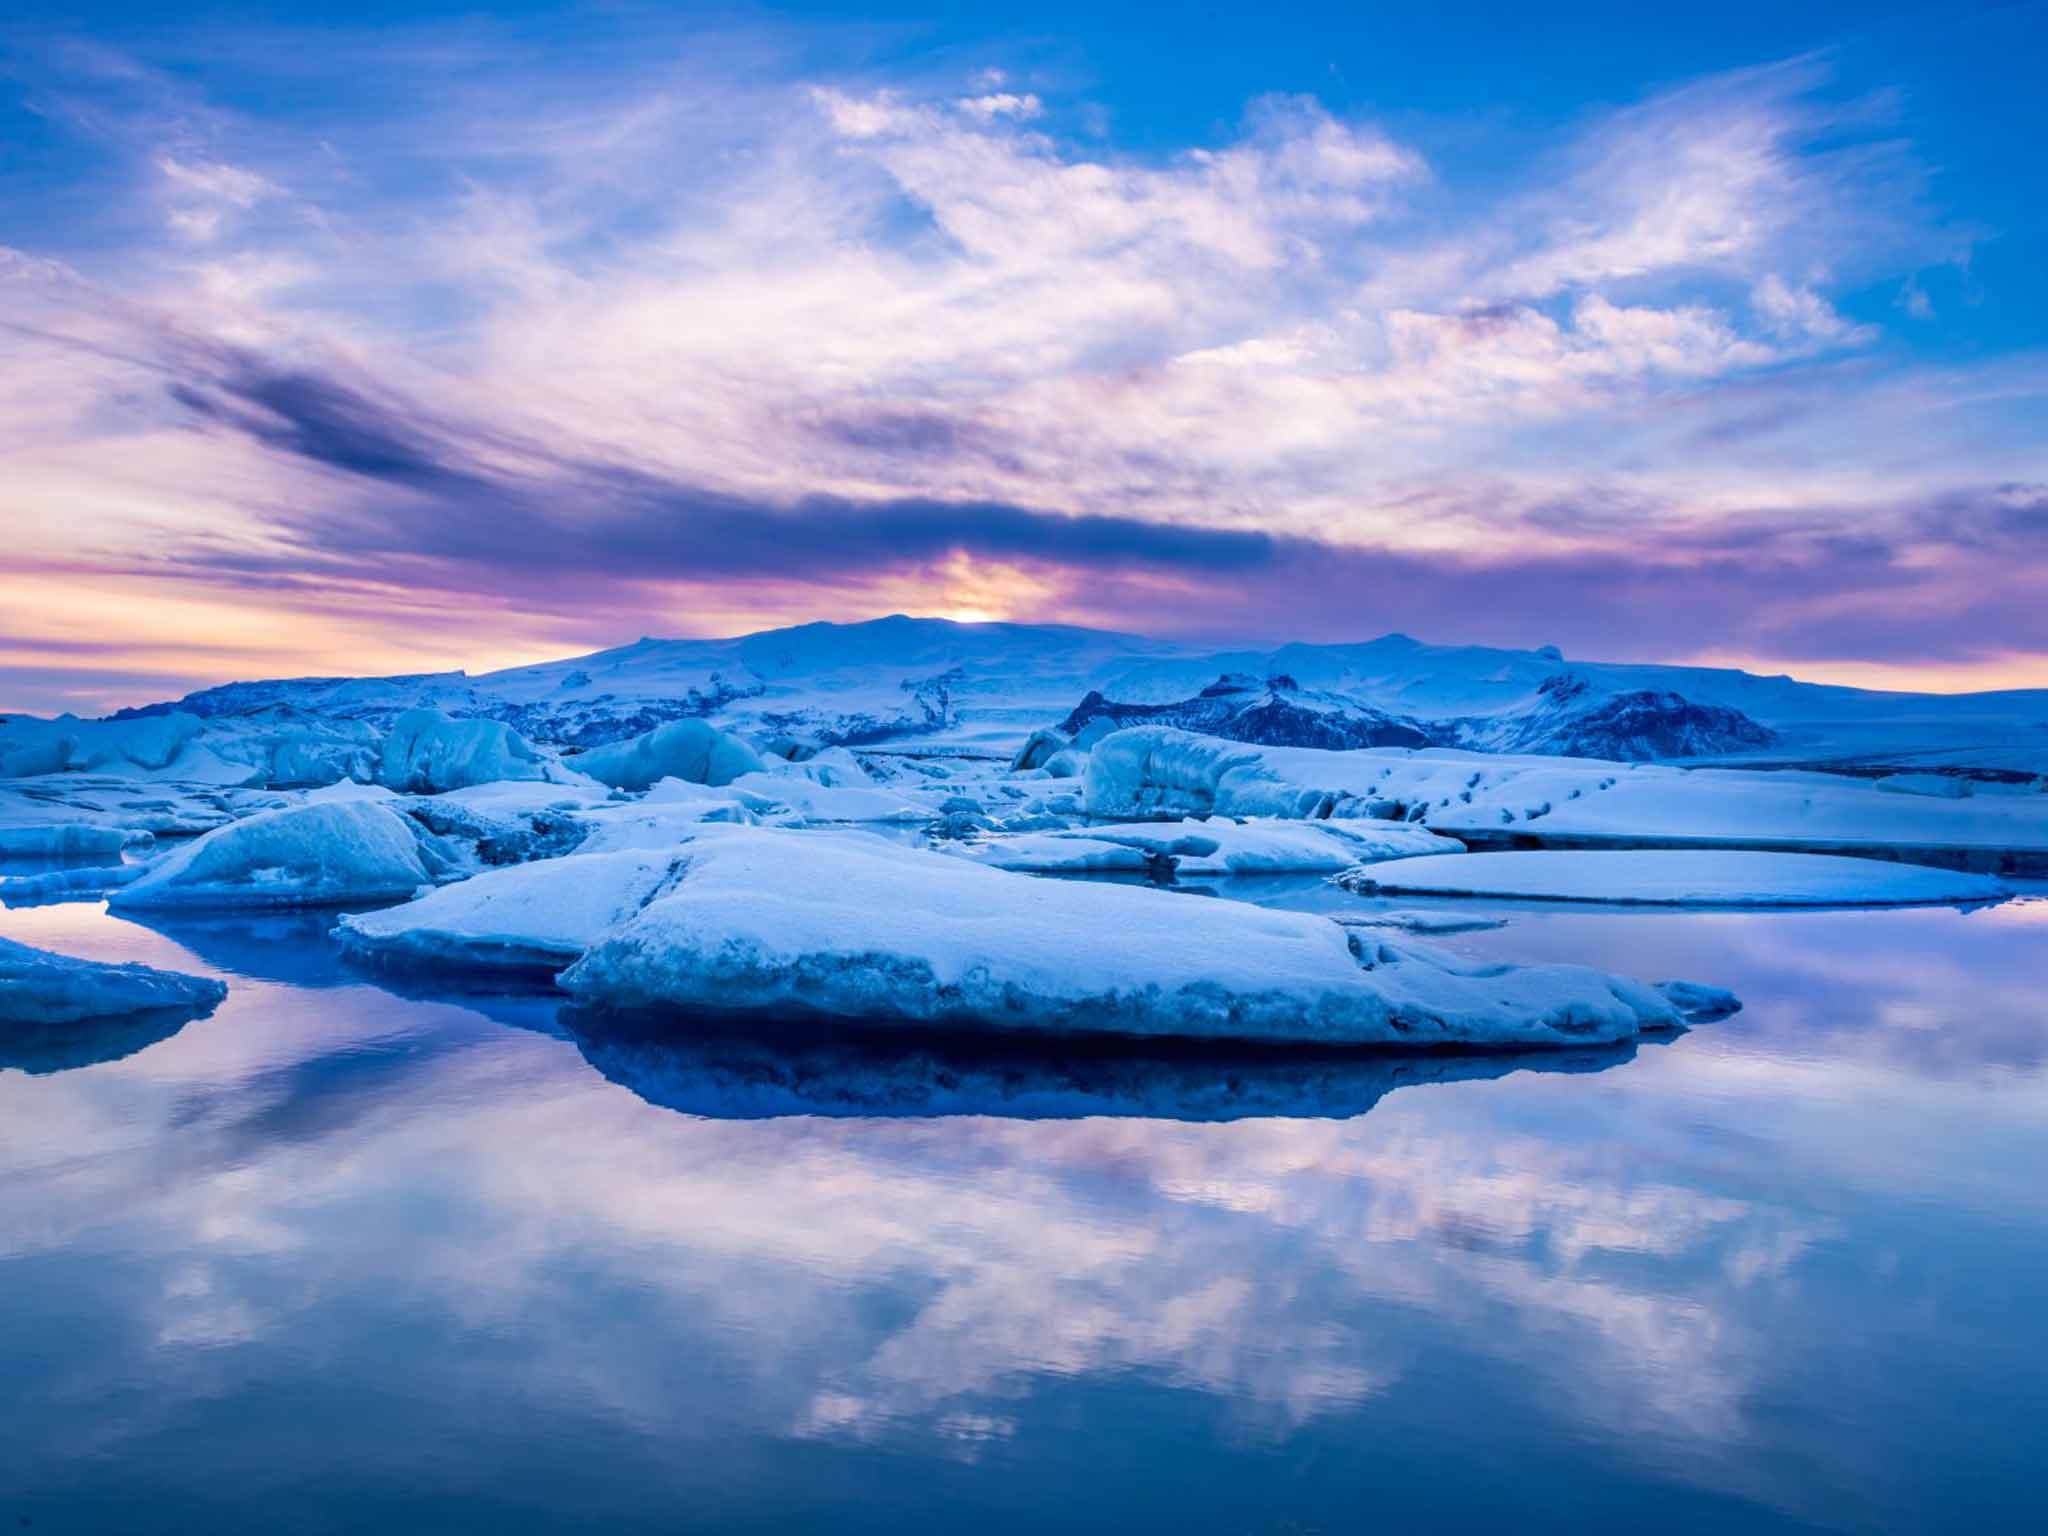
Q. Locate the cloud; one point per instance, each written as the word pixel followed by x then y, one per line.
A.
pixel 674 343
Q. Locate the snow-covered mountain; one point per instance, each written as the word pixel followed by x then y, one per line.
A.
pixel 929 683
pixel 1569 717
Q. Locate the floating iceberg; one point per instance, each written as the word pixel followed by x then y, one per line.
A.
pixel 1153 771
pixel 689 750
pixel 525 917
pixel 1060 853
pixel 426 753
pixel 1678 877
pixel 661 819
pixel 87 816
pixel 81 883
pixel 307 856
pixel 69 840
pixel 793 795
pixel 38 988
pixel 504 822
pixel 850 926
pixel 1209 848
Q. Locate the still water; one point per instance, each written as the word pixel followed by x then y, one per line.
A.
pixel 340 1259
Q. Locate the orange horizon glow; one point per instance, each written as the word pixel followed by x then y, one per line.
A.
pixel 171 637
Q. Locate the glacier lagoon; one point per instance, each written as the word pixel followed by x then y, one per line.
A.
pixel 367 1252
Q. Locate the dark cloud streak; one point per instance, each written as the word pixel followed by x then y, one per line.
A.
pixel 450 508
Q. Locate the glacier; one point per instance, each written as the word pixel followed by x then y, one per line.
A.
pixel 913 684
pixel 850 926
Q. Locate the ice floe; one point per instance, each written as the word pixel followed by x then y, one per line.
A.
pixel 1157 771
pixel 1216 847
pixel 38 988
pixel 1678 877
pixel 524 917
pixel 845 925
pixel 305 856
pixel 793 794
pixel 77 883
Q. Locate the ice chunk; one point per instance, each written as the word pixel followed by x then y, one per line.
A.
pixel 683 749
pixel 132 748
pixel 1039 748
pixel 835 767
pixel 526 917
pixel 1041 853
pixel 426 753
pixel 38 988
pixel 504 823
pixel 1678 877
pixel 771 793
pixel 845 925
pixel 1152 771
pixel 1419 922
pixel 662 822
pixel 307 856
pixel 1223 847
pixel 87 882
pixel 69 840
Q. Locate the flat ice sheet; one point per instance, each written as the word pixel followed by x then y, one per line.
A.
pixel 1684 877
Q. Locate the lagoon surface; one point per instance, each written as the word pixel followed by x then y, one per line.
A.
pixel 349 1256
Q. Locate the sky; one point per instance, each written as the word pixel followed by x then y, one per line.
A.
pixel 375 338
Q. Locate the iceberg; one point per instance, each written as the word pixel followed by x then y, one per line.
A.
pixel 763 920
pixel 39 989
pixel 426 753
pixel 525 917
pixel 683 749
pixel 70 840
pixel 83 882
pixel 793 795
pixel 1060 853
pixel 1209 848
pixel 1678 877
pixel 306 856
pixel 1526 801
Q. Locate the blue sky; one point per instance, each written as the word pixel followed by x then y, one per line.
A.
pixel 346 339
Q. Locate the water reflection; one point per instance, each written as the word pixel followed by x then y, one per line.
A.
pixel 44 1048
pixel 392 1260
pixel 741 1069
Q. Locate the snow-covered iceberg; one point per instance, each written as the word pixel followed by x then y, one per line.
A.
pixel 306 856
pixel 1678 877
pixel 525 917
pixel 1154 771
pixel 852 926
pixel 39 989
pixel 69 840
pixel 690 750
pixel 794 795
pixel 426 753
pixel 1210 848
pixel 82 882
